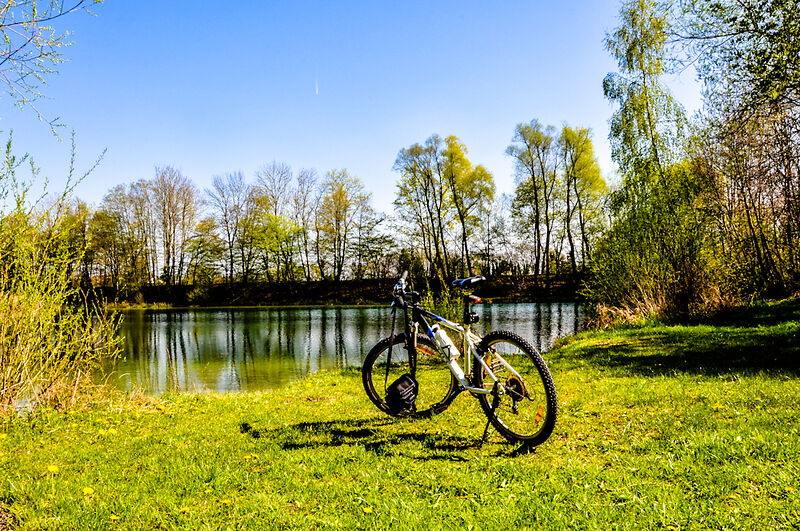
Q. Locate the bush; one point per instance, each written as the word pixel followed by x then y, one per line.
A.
pixel 53 335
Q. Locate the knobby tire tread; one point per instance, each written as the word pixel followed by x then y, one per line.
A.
pixel 547 380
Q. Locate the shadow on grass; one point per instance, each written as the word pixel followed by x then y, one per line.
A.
pixel 386 437
pixel 760 315
pixel 756 340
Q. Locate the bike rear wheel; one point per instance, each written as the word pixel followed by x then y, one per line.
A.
pixel 528 407
pixel 434 379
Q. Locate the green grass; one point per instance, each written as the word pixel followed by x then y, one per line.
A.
pixel 661 427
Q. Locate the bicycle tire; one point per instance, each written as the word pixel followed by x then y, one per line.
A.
pixel 435 381
pixel 527 411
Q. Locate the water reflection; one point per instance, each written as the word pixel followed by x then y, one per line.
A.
pixel 252 349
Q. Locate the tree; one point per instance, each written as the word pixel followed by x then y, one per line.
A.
pixel 749 149
pixel 176 207
pixel 424 201
pixel 126 221
pixel 748 51
pixel 205 249
pixel 106 246
pixel 303 210
pixel 653 259
pixel 583 188
pixel 273 199
pixel 647 126
pixel 248 232
pixel 471 190
pixel 30 49
pixel 343 199
pixel 534 150
pixel 370 246
pixel 228 199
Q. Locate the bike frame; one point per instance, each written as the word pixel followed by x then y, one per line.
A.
pixel 471 340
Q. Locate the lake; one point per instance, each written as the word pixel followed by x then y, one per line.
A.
pixel 265 348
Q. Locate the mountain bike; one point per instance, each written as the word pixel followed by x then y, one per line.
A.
pixel 502 370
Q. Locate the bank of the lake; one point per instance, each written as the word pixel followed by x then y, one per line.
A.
pixel 501 289
pixel 669 427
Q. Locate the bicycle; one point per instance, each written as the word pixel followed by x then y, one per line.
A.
pixel 502 370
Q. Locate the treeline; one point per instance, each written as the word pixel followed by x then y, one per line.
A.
pixel 280 227
pixel 286 226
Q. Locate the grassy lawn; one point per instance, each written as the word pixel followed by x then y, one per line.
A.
pixel 661 427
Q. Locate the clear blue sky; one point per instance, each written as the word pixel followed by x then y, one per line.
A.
pixel 217 87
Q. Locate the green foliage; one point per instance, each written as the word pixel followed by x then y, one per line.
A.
pixel 534 150
pixel 343 200
pixel 558 199
pixel 649 124
pixel 748 52
pixel 205 250
pixel 658 256
pixel 52 336
pixel 749 57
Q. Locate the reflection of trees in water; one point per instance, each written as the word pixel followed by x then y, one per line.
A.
pixel 266 348
pixel 543 324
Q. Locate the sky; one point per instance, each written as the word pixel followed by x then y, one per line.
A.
pixel 216 87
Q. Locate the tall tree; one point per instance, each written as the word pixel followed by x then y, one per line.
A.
pixel 205 250
pixel 536 166
pixel 646 128
pixel 583 187
pixel 748 54
pixel 303 207
pixel 343 199
pixel 176 207
pixel 471 190
pixel 273 194
pixel 652 259
pixel 424 200
pixel 228 199
pixel 126 214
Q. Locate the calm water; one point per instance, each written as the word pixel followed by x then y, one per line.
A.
pixel 252 349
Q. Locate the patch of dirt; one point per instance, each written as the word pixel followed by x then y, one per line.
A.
pixel 7 520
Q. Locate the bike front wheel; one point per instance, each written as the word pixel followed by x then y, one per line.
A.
pixel 527 407
pixel 434 380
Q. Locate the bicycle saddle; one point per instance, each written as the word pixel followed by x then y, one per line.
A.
pixel 468 282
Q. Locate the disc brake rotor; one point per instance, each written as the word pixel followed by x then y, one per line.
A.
pixel 516 389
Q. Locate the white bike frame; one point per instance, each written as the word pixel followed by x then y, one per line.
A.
pixel 471 341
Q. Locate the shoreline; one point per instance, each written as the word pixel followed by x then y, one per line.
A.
pixel 373 292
